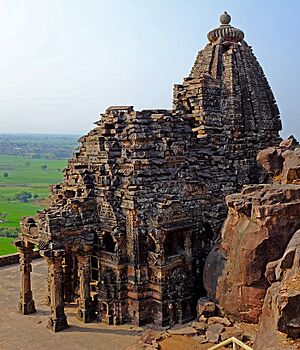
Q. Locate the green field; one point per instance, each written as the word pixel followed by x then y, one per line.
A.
pixel 25 174
pixel 7 246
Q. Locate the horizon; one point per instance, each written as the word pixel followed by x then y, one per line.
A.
pixel 66 62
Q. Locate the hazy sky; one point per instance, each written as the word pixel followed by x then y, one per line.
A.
pixel 63 62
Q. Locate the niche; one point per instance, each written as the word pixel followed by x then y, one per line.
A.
pixel 108 243
pixel 174 243
pixel 208 232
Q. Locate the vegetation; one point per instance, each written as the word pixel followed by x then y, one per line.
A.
pixel 22 193
pixel 7 246
pixel 38 146
pixel 25 180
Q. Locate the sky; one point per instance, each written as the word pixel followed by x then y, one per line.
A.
pixel 63 62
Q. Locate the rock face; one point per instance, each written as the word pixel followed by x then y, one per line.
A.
pixel 142 198
pixel 281 164
pixel 260 223
pixel 254 272
pixel 281 309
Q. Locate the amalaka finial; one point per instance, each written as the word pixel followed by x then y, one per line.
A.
pixel 225 18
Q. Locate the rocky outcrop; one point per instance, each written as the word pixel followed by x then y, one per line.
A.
pixel 254 272
pixel 281 164
pixel 281 309
pixel 260 222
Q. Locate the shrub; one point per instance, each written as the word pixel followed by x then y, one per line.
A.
pixel 23 196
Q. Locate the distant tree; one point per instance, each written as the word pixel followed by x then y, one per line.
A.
pixel 44 167
pixel 27 163
pixel 5 174
pixel 3 217
pixel 35 196
pixel 23 196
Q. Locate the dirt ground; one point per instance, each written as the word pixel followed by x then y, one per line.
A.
pixel 19 332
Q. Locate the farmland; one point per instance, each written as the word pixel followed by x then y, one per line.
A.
pixel 6 246
pixel 24 184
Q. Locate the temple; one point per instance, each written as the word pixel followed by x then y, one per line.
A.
pixel 143 197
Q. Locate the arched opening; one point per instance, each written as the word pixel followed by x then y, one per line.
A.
pixel 108 243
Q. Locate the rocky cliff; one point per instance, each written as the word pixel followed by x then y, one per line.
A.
pixel 253 273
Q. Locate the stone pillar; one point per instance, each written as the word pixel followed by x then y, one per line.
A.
pixel 85 308
pixel 58 319
pixel 26 303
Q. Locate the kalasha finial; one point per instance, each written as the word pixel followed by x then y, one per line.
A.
pixel 225 18
pixel 225 31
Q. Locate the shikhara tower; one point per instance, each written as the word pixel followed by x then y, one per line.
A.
pixel 143 198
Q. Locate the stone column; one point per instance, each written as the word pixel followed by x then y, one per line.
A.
pixel 58 319
pixel 85 308
pixel 26 303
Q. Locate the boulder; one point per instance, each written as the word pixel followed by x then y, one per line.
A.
pixel 232 332
pixel 282 164
pixel 200 326
pixel 221 320
pixel 213 332
pixel 206 307
pixel 290 143
pixel 281 309
pixel 271 161
pixel 291 167
pixel 259 225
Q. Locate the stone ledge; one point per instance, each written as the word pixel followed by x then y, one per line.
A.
pixel 14 258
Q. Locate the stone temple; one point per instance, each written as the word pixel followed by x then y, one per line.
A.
pixel 143 198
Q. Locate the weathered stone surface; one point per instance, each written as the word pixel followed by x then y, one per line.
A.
pixel 232 332
pixel 149 336
pixel 200 326
pixel 221 320
pixel 188 331
pixel 260 223
pixel 282 163
pixel 213 332
pixel 281 309
pixel 291 167
pixel 206 307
